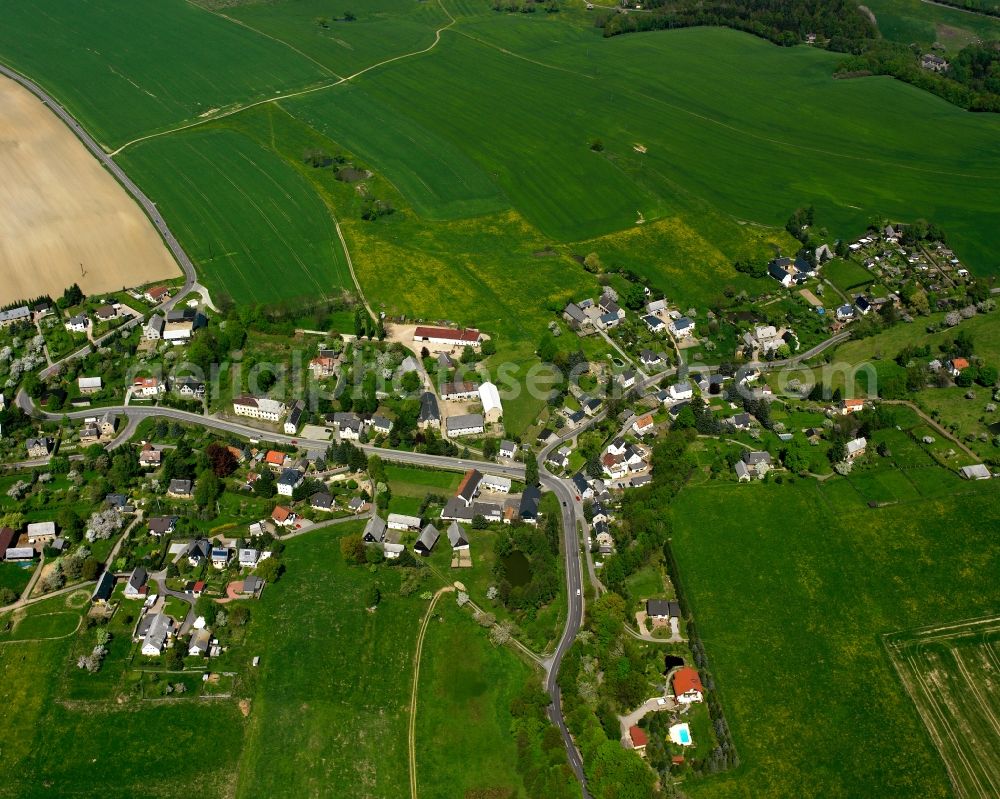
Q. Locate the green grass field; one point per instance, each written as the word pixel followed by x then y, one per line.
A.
pixel 256 229
pixel 802 674
pixel 908 21
pixel 129 67
pixel 328 704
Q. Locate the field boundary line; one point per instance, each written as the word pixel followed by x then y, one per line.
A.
pixel 511 53
pixel 243 24
pixel 291 95
pixel 411 737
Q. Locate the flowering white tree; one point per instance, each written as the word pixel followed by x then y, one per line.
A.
pixel 103 524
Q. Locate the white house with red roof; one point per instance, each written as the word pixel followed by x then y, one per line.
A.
pixel 687 686
pixel 448 337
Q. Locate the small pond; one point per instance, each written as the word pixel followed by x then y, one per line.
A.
pixel 517 567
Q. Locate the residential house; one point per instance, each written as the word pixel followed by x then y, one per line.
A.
pixel 189 387
pixel 321 501
pixel 289 480
pixel 179 489
pixel 627 379
pixel 283 516
pixel 162 525
pixel 856 447
pixel 654 323
pixel 469 487
pixel 609 320
pixel 153 331
pixel 682 327
pixel 247 557
pixel 252 586
pixel 933 62
pixel 639 739
pixel 614 466
pixel 77 324
pixel 845 313
pixel 275 460
pixel 687 686
pixel 137 584
pixel 644 424
pixel 349 425
pixel 157 294
pixel 448 337
pixel 159 630
pixel 656 306
pixel 294 418
pixel 358 505
pixel 381 425
pixel 590 405
pixel 201 641
pixel 375 530
pixel 220 557
pixel 778 269
pixel 681 391
pixel 489 396
pixel 429 416
pixel 650 359
pixel 862 304
pixel 574 314
pixel 150 457
pixel 19 554
pixel 263 408
pixel 740 421
pixel 323 367
pixel 181 324
pixel 757 462
pixel 464 390
pixel 617 446
pixel 147 387
pixel 849 406
pixel 428 538
pixel 197 551
pixel 530 498
pixel 559 459
pixel 661 611
pixel 508 449
pixel 956 366
pixel 582 487
pixel 38 447
pixel 468 424
pixel 89 385
pixel 194 587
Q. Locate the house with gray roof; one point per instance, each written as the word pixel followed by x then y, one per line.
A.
pixel 428 538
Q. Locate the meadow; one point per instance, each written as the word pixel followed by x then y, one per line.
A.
pixel 907 21
pixel 801 670
pixel 328 705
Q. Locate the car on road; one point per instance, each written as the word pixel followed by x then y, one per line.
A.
pixel 578 592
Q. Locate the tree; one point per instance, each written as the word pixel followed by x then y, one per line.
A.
pixel 207 489
pixel 174 659
pixel 352 548
pixel 372 596
pixel 265 485
pixel 222 461
pixel 530 470
pixel 987 376
pixel 270 569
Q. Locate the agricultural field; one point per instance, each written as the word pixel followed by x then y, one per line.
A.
pixel 949 672
pixel 908 21
pixel 63 218
pixel 257 231
pixel 829 576
pixel 126 68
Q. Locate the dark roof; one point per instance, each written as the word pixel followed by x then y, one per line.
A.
pixel 777 272
pixel 160 524
pixel 662 607
pixel 580 482
pixel 321 500
pixel 429 408
pixel 428 538
pixel 469 486
pixel 105 585
pixel 529 502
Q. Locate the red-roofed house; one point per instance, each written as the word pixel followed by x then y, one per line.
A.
pixel 275 459
pixel 849 406
pixel 156 293
pixel 644 424
pixel 639 739
pixel 687 686
pixel 147 387
pixel 448 337
pixel 283 516
pixel 957 365
pixel 323 366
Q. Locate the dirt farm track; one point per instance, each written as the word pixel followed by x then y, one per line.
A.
pixel 59 209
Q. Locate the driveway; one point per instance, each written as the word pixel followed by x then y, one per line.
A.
pixel 649 706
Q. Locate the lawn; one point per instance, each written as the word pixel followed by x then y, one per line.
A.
pixel 14 576
pixel 907 21
pixel 128 67
pixel 803 677
pixel 478 688
pixel 848 276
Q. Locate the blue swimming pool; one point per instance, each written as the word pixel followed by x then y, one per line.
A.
pixel 684 735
